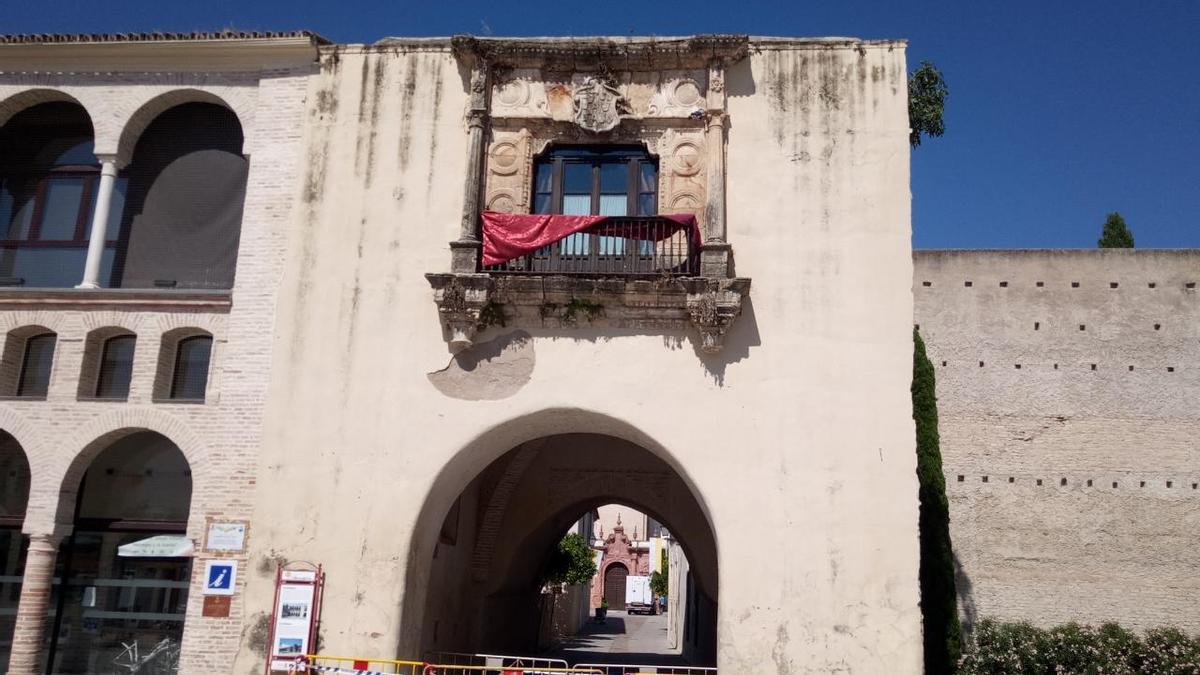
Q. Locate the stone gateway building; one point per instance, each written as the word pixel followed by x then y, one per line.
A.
pixel 409 310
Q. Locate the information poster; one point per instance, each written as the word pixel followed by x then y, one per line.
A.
pixel 295 612
pixel 226 536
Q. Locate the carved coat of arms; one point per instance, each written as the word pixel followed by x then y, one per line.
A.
pixel 597 105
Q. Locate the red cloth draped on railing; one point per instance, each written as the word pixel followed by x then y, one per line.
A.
pixel 511 235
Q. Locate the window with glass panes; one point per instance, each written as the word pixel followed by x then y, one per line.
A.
pixel 34 379
pixel 190 378
pixel 116 367
pixel 48 186
pixel 602 181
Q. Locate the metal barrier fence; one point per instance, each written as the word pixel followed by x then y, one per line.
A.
pixel 497 662
pixel 456 663
pixel 643 669
pixel 320 663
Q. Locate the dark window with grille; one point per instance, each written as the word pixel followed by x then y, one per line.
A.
pixel 190 377
pixel 606 181
pixel 35 365
pixel 48 181
pixel 116 367
pixel 618 181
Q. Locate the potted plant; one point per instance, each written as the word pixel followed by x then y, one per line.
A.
pixel 602 610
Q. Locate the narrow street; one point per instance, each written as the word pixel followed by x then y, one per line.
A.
pixel 622 638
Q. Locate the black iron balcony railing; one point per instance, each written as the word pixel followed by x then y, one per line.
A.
pixel 646 246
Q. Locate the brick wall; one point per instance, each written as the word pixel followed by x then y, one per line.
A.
pixel 220 437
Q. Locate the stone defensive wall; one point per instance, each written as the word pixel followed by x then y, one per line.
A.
pixel 1068 389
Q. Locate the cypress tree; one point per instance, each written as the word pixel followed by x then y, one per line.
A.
pixel 1116 233
pixel 939 601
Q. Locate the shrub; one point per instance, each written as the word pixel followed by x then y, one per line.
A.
pixel 998 648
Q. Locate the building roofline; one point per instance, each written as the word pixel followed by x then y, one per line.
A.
pixel 224 51
pixel 205 36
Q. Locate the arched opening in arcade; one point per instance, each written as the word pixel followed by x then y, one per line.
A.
pixel 494 583
pixel 122 574
pixel 14 497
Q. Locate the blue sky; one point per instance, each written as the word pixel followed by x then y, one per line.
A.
pixel 1059 112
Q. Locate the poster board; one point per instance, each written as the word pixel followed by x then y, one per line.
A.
pixel 295 617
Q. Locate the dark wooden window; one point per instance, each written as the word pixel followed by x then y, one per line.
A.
pixel 35 365
pixel 116 367
pixel 190 377
pixel 609 181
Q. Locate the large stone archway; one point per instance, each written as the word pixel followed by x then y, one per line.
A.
pixel 485 574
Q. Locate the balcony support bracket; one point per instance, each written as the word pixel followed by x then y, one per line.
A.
pixel 471 303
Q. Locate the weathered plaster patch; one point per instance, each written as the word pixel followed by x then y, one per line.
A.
pixel 488 371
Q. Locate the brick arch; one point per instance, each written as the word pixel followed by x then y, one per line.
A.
pixel 213 324
pixel 60 471
pixel 25 99
pixel 132 322
pixel 136 121
pixel 55 322
pixel 25 433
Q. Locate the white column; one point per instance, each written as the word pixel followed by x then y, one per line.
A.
pixel 95 253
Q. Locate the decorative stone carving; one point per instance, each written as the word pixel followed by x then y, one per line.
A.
pixel 712 305
pixel 598 105
pixel 509 166
pixel 460 299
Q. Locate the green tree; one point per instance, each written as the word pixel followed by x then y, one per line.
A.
pixel 1116 233
pixel 572 562
pixel 939 601
pixel 927 94
pixel 659 581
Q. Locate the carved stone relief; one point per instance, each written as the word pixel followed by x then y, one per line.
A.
pixel 509 163
pixel 682 179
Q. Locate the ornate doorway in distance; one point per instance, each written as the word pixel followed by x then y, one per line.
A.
pixel 614 585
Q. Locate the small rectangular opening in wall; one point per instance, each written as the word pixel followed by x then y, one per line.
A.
pixel 967 284
pixel 1158 326
pixel 1093 366
pixel 1074 284
pixel 1152 285
pixel 927 283
pixel 1003 284
pixel 1112 284
pixel 961 478
pixel 1062 482
pixel 1082 327
pixel 1131 369
pixel 1195 485
pixel 1142 483
pixel 1169 484
pixel 981 364
pixel 985 479
pixel 1056 366
pixel 1089 483
pixel 1037 325
pixel 1170 369
pixel 1190 284
pixel 1114 485
pixel 1012 479
pixel 943 364
pixel 1040 284
pixel 1017 366
pixel 1039 481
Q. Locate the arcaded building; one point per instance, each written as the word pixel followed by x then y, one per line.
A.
pixel 409 310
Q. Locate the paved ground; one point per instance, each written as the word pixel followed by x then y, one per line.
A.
pixel 622 638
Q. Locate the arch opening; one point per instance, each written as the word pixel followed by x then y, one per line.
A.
pixel 487 589
pixel 122 574
pixel 49 176
pixel 182 214
pixel 14 499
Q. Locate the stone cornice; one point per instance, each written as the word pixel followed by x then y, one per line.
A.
pixel 212 55
pixel 602 53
